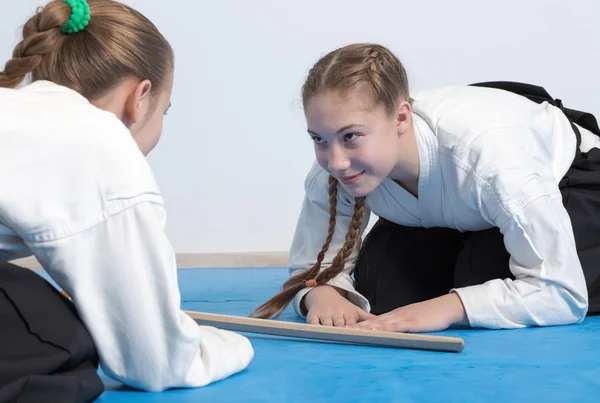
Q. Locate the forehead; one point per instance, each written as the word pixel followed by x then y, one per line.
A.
pixel 330 110
pixel 329 104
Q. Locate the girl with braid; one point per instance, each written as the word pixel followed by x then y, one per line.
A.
pixel 488 198
pixel 78 194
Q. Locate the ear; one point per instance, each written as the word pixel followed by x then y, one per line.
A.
pixel 138 101
pixel 403 117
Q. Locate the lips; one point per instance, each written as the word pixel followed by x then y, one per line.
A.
pixel 348 180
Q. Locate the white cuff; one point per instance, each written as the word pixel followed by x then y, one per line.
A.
pixel 480 309
pixel 344 282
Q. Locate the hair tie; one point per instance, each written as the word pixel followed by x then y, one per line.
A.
pixel 80 16
pixel 311 283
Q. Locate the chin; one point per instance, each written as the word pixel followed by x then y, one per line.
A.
pixel 359 190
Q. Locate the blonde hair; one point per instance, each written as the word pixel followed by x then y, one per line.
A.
pixel 118 43
pixel 369 67
pixel 376 70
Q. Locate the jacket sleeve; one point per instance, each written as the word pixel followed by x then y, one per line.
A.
pixel 549 286
pixel 121 275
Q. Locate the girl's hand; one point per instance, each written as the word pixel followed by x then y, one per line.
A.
pixel 428 316
pixel 326 306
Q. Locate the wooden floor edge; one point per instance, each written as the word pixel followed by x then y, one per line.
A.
pixel 205 260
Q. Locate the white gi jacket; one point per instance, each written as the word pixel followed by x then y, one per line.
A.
pixel 77 193
pixel 488 158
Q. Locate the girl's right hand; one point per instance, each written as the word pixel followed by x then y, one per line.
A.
pixel 326 306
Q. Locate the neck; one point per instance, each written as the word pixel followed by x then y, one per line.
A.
pixel 115 100
pixel 406 170
pixel 111 102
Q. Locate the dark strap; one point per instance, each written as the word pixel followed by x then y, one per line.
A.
pixel 538 95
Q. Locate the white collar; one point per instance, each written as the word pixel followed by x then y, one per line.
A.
pixel 46 86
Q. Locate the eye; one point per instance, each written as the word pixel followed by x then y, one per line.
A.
pixel 350 136
pixel 318 140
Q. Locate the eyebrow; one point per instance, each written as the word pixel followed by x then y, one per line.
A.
pixel 339 131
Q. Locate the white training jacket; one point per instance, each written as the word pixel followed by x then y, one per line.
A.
pixel 77 193
pixel 488 158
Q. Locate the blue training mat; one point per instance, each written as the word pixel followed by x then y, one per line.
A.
pixel 555 364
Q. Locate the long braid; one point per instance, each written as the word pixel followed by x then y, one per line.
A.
pixel 276 305
pixel 339 262
pixel 41 35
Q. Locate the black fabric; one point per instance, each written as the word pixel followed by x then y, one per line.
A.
pixel 46 353
pixel 400 265
pixel 580 188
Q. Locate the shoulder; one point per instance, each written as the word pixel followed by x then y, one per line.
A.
pixel 73 163
pixel 452 99
pixel 457 111
pixel 123 169
pixel 498 138
pixel 103 140
pixel 470 121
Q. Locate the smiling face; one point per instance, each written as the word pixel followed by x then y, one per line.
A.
pixel 356 142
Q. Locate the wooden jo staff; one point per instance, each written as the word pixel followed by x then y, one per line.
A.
pixel 348 335
pixel 301 330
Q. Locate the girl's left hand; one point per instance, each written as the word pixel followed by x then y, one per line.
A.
pixel 428 316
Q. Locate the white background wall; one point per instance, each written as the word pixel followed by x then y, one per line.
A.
pixel 234 151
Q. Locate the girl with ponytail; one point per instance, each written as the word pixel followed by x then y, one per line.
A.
pixel 82 101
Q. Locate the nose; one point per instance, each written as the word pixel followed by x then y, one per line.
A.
pixel 338 161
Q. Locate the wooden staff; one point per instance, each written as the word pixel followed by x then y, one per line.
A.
pixel 341 334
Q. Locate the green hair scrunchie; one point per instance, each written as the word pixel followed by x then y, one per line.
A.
pixel 80 16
